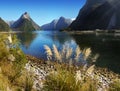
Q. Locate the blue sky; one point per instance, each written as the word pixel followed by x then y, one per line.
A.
pixel 41 11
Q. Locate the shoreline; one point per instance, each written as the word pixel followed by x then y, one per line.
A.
pixel 73 32
pixel 93 31
pixel 42 69
pixel 42 61
pixel 11 32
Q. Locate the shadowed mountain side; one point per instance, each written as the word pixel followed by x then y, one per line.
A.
pixel 99 15
pixel 50 26
pixel 59 24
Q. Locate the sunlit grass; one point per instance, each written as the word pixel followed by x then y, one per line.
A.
pixel 12 62
pixel 64 79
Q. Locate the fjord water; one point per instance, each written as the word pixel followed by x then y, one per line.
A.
pixel 106 45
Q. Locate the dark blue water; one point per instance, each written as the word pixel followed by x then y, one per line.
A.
pixel 106 45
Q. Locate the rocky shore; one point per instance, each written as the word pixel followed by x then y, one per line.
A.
pixel 41 68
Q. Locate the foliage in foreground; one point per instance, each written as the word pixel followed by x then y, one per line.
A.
pixel 12 62
pixel 70 78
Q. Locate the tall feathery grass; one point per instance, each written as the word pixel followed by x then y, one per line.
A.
pixel 65 79
pixel 67 54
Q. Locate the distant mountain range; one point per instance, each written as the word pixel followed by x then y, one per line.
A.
pixel 25 23
pixel 95 14
pixel 57 24
pixel 98 14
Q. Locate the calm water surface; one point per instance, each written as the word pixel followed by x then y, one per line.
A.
pixel 106 45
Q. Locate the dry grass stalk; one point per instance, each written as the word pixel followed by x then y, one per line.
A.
pixel 95 58
pixel 78 76
pixel 56 53
pixel 87 53
pixel 78 52
pixel 48 52
pixel 69 52
pixel 90 70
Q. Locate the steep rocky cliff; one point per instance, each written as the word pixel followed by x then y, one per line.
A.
pixel 98 14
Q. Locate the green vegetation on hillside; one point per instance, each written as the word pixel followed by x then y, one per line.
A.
pixel 4 26
pixel 26 26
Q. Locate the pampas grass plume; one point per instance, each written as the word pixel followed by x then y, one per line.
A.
pixel 48 52
pixel 56 53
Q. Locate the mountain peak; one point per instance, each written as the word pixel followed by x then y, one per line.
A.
pixel 25 23
pixel 26 16
pixel 61 18
pixel 26 13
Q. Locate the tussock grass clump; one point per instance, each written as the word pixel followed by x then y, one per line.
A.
pixel 69 80
pixel 67 54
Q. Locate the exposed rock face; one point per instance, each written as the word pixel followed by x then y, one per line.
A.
pixel 25 23
pixel 98 14
pixel 3 25
pixel 61 23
